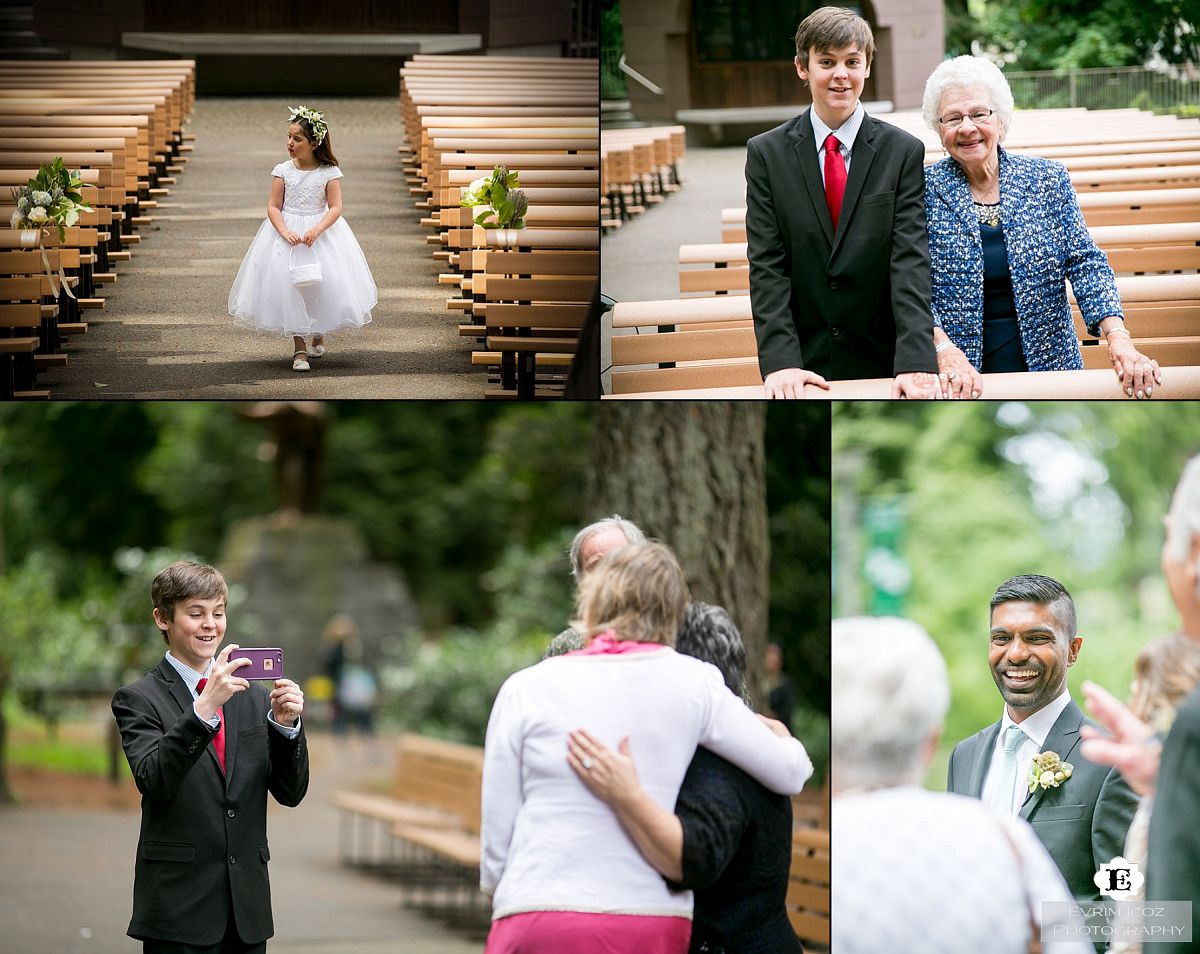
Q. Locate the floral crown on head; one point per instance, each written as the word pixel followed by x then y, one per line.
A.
pixel 315 120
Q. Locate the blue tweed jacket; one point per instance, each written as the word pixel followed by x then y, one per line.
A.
pixel 1047 242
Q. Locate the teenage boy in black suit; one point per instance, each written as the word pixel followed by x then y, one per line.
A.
pixel 205 746
pixel 835 222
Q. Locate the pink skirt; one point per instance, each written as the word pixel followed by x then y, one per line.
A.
pixel 553 932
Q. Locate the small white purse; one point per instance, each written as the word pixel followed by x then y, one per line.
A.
pixel 306 274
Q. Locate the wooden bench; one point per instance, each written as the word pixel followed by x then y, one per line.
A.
pixel 436 785
pixel 536 304
pixel 426 832
pixel 808 895
pixel 1181 383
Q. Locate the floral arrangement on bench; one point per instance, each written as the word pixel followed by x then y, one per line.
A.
pixel 52 197
pixel 501 194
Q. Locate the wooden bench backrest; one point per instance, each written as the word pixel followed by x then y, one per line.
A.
pixel 808 901
pixel 440 774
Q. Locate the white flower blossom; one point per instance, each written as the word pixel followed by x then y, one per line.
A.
pixel 41 198
pixel 38 215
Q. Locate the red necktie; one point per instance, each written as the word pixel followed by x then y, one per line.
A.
pixel 219 741
pixel 835 177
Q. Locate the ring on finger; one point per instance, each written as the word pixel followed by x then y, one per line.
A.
pixel 587 763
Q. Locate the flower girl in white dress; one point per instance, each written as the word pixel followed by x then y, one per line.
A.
pixel 279 289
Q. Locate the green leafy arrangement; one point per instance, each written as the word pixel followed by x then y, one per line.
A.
pixel 501 194
pixel 52 197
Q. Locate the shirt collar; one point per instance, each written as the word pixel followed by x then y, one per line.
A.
pixel 1038 725
pixel 846 134
pixel 189 675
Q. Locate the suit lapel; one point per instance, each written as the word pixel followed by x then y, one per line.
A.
pixel 233 719
pixel 805 150
pixel 175 686
pixel 860 167
pixel 983 759
pixel 1063 738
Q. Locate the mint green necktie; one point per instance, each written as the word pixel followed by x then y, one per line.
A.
pixel 1002 793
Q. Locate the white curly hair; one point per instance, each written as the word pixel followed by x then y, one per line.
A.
pixel 968 72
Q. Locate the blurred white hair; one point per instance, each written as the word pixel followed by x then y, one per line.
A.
pixel 1183 517
pixel 890 694
pixel 968 72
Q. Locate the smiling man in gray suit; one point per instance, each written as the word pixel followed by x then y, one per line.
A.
pixel 1082 820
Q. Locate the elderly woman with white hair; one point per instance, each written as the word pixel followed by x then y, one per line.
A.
pixel 914 869
pixel 1005 234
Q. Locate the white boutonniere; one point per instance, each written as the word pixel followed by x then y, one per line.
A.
pixel 1048 771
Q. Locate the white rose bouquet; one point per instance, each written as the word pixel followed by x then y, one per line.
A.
pixel 501 196
pixel 52 197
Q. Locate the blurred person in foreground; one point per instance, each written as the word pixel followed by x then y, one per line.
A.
pixel 1165 671
pixel 1005 236
pixel 205 746
pixel 562 873
pixel 915 870
pixel 1168 769
pixel 729 839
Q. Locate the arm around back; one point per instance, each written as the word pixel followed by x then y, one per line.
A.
pixel 736 734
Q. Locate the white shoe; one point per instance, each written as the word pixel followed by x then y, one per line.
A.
pixel 299 362
pixel 316 351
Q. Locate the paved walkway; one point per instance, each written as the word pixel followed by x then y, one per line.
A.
pixel 640 260
pixel 66 877
pixel 165 332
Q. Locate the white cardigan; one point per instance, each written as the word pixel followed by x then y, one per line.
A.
pixel 548 843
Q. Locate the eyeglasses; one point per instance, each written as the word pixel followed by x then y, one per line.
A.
pixel 978 117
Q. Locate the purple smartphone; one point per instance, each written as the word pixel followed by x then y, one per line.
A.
pixel 264 663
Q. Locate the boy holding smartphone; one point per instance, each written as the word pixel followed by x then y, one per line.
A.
pixel 205 746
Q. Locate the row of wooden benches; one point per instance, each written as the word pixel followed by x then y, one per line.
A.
pixel 638 169
pixel 1151 234
pixel 119 123
pixel 426 831
pixel 523 298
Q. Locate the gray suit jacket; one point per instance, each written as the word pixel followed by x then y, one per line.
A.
pixel 1083 822
pixel 1173 861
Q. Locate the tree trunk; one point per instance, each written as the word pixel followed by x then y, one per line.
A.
pixel 691 474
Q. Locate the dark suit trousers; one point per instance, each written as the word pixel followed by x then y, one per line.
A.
pixel 229 944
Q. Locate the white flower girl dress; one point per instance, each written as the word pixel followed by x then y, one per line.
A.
pixel 263 296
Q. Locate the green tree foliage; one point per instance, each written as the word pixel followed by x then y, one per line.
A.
pixel 797 464
pixel 1066 34
pixel 68 482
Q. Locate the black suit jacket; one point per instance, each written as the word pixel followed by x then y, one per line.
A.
pixel 202 853
pixel 1083 822
pixel 855 304
pixel 1173 859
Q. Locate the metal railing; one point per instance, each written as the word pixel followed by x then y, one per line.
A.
pixel 1167 90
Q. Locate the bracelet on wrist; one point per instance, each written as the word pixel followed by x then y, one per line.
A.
pixel 943 346
pixel 1117 331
